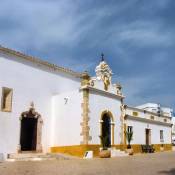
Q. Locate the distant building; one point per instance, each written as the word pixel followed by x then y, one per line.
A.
pixel 173 130
pixel 47 108
pixel 157 108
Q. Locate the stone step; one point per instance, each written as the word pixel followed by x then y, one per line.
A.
pixel 118 153
pixel 38 157
pixel 24 155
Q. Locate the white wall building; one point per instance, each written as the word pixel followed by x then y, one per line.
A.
pixel 173 130
pixel 47 108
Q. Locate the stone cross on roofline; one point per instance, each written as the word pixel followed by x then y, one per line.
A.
pixel 102 57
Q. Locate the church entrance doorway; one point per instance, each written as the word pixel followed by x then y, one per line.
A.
pixel 28 133
pixel 106 129
pixel 148 136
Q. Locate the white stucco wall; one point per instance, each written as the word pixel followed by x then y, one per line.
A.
pixel 66 111
pixel 139 132
pixel 29 83
pixel 97 104
pixel 173 130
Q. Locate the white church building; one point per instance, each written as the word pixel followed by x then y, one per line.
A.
pixel 47 108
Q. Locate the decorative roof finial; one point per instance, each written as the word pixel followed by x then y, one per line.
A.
pixel 102 57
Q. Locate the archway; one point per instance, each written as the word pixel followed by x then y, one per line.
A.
pixel 107 127
pixel 30 132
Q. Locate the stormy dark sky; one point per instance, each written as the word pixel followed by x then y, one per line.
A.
pixel 136 36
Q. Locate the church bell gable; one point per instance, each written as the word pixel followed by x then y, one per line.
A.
pixel 104 73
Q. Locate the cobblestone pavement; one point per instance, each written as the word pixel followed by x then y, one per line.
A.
pixel 143 164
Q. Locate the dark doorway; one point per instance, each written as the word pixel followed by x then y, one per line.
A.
pixel 106 129
pixel 148 136
pixel 28 134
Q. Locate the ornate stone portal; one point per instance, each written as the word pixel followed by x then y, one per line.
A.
pixel 31 113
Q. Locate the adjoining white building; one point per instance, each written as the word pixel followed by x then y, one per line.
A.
pixel 173 130
pixel 47 108
pixel 148 119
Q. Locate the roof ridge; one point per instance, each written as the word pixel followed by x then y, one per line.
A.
pixel 40 61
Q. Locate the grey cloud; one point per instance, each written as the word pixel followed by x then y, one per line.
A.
pixel 136 36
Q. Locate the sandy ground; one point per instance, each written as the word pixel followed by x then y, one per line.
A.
pixel 143 164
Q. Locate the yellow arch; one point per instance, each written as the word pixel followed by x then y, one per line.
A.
pixel 109 113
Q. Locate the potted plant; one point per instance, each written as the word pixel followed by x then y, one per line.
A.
pixel 104 152
pixel 129 136
pixel 161 147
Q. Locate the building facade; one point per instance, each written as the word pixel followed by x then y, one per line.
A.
pixel 47 108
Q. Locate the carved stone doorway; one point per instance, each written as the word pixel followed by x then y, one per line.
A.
pixel 31 130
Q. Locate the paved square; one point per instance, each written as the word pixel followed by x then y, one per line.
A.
pixel 143 164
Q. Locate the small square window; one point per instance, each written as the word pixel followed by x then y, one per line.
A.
pixel 152 117
pixel 135 113
pixel 6 100
pixel 130 129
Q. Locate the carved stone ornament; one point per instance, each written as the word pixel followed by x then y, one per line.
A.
pixel 123 110
pixel 104 73
pixel 106 82
pixel 118 89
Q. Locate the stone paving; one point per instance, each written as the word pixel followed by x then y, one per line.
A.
pixel 140 164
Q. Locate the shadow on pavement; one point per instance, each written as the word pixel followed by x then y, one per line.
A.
pixel 170 172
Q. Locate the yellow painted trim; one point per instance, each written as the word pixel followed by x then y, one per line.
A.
pixel 112 128
pixel 85 112
pixel 125 134
pixel 76 150
pixel 79 150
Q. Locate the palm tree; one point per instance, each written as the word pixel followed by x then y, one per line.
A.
pixel 129 136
